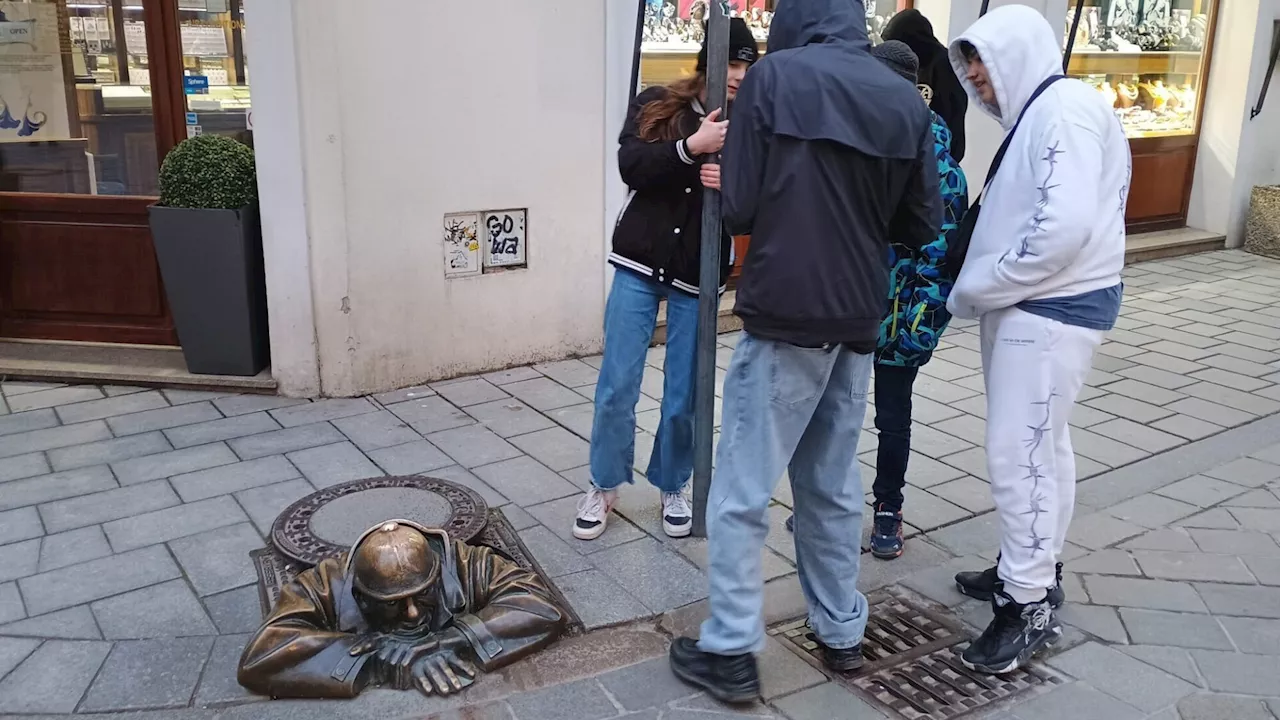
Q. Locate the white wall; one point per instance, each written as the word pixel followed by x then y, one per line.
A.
pixel 411 110
pixel 1235 152
pixel 282 193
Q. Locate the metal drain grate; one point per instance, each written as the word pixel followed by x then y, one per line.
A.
pixel 938 686
pixel 897 631
pixel 913 664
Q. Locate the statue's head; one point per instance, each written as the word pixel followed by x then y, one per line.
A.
pixel 395 577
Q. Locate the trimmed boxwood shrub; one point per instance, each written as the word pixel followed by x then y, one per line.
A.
pixel 210 172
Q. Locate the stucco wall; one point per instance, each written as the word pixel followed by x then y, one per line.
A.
pixel 1235 152
pixel 411 110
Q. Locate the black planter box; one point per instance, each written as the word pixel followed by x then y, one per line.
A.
pixel 211 262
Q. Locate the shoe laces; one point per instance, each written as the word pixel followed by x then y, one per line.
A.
pixel 592 506
pixel 676 504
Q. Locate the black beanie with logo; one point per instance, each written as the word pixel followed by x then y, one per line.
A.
pixel 742 45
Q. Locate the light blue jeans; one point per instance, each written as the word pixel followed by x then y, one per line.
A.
pixel 629 319
pixel 796 409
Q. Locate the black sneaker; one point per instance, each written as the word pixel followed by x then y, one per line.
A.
pixel 886 536
pixel 841 660
pixel 1016 633
pixel 727 678
pixel 981 585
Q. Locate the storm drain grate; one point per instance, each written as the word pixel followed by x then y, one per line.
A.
pixel 913 666
pixel 938 686
pixel 897 631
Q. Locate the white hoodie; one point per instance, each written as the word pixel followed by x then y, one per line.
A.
pixel 1052 222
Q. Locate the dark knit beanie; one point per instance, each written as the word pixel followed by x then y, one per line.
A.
pixel 742 44
pixel 899 57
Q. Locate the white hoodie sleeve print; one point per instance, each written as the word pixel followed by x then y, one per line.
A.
pixel 1066 162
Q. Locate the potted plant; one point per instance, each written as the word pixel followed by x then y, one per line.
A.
pixel 209 245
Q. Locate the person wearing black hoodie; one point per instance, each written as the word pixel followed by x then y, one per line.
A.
pixel 936 79
pixel 822 180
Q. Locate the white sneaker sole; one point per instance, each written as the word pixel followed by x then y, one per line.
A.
pixel 677 531
pixel 590 534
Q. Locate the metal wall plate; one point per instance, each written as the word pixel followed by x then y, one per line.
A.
pixel 913 668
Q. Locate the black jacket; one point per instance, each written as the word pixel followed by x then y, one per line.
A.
pixel 823 179
pixel 659 231
pixel 947 96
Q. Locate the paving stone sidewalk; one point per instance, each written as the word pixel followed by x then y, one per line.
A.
pixel 126 516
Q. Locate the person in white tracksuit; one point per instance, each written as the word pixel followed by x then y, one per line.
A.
pixel 1042 274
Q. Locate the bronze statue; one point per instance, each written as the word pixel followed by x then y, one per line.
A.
pixel 406 607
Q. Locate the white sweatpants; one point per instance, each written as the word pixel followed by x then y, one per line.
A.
pixel 1034 368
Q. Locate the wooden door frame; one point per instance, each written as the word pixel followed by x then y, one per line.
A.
pixel 168 102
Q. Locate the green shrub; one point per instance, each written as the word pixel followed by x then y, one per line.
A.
pixel 209 171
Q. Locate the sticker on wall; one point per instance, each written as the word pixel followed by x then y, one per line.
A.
pixel 505 238
pixel 462 244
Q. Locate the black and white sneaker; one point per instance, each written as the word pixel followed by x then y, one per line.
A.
pixel 677 516
pixel 981 585
pixel 1016 633
pixel 593 513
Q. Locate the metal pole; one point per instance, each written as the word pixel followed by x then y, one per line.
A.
pixel 635 58
pixel 1071 37
pixel 709 279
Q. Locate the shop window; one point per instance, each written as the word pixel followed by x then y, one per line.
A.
pixel 673 30
pixel 75 101
pixel 1148 59
pixel 77 107
pixel 215 70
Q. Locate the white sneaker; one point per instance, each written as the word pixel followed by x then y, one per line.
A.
pixel 593 513
pixel 677 516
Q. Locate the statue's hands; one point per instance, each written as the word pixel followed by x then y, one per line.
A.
pixel 443 672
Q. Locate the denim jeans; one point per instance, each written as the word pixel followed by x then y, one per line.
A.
pixel 796 409
pixel 893 420
pixel 629 320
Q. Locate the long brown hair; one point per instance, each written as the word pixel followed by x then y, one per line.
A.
pixel 660 119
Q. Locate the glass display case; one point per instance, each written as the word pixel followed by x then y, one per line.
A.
pixel 1147 58
pixel 673 31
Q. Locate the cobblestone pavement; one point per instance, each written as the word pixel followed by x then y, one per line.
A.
pixel 126 516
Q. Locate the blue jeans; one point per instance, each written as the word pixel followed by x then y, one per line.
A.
pixel 801 410
pixel 629 319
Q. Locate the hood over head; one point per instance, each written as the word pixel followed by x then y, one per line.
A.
pixel 1020 50
pixel 797 23
pixel 913 28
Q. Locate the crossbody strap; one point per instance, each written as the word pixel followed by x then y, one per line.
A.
pixel 1008 138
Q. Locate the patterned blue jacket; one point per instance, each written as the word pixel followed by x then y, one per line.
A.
pixel 920 282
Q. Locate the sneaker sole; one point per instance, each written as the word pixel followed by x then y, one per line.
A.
pixel 1022 660
pixel 738 698
pixel 677 531
pixel 592 534
pixel 886 556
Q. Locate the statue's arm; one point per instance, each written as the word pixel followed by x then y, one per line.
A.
pixel 514 612
pixel 298 651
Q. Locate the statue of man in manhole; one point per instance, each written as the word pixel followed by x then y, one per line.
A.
pixel 406 608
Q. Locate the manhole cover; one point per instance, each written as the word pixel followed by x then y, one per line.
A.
pixel 327 522
pixel 913 665
pixel 938 686
pixel 897 631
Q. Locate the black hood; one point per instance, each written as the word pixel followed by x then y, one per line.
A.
pixel 797 23
pixel 914 29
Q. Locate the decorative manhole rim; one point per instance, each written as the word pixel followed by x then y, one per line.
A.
pixel 292 535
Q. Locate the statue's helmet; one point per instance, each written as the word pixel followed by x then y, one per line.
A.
pixel 393 561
